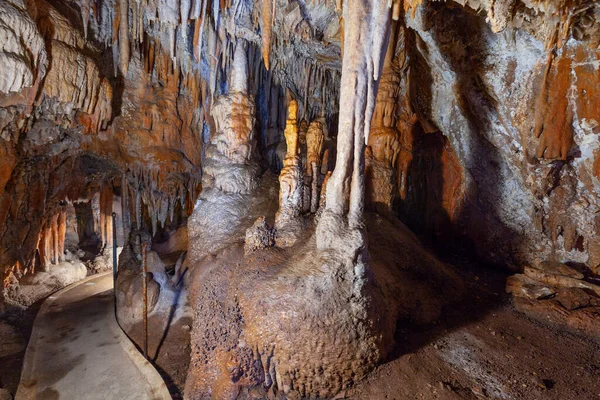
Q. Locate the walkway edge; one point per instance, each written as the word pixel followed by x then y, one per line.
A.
pixel 156 382
pixel 158 386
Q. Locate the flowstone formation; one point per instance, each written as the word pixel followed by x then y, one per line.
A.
pixel 384 143
pixel 516 168
pixel 314 329
pixel 231 177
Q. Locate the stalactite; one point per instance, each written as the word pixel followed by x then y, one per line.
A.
pixel 267 24
pixel 306 90
pixel 184 11
pixel 115 37
pixel 85 16
pixel 199 29
pixel 124 48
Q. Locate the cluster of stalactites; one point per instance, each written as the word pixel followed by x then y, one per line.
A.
pixel 303 56
pixel 123 24
pixel 158 189
pixel 551 21
pixel 200 36
pixel 51 240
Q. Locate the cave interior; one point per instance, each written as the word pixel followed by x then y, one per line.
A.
pixel 311 199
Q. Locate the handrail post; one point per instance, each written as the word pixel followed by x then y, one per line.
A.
pixel 145 294
pixel 114 246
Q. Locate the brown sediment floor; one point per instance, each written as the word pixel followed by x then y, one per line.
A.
pixel 485 349
pixel 481 349
pixel 168 349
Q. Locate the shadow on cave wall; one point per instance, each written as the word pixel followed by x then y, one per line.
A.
pixel 460 223
pixel 435 206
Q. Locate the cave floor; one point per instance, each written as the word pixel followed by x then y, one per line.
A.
pixel 168 348
pixel 482 348
pixel 494 353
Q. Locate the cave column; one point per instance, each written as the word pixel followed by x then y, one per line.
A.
pixel 106 208
pixel 231 157
pixel 384 140
pixel 54 249
pixel 62 233
pixel 366 24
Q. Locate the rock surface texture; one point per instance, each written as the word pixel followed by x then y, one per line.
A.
pixel 272 153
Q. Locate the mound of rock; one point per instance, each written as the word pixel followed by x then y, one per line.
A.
pixel 557 293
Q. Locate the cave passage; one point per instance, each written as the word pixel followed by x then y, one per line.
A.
pixel 299 199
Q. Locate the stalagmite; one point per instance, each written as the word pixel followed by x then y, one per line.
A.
pixel 325 162
pixel 314 193
pixel 323 194
pixel 239 70
pixel 106 209
pixel 231 152
pixel 42 249
pixel 125 206
pixel 290 178
pixel 314 145
pixel 384 139
pixel 54 236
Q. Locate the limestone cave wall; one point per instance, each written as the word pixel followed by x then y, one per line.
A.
pixel 475 122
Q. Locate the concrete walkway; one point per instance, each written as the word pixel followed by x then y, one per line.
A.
pixel 77 351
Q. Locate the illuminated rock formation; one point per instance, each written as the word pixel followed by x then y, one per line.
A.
pixel 508 145
pixel 360 71
pixel 473 122
pixel 231 173
pixel 290 178
pixel 384 139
